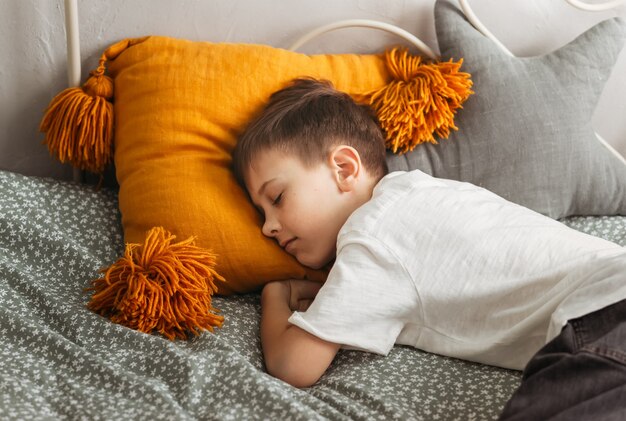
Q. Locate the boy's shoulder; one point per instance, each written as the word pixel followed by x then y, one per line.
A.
pixel 399 185
pixel 406 201
pixel 389 203
pixel 401 182
pixel 381 229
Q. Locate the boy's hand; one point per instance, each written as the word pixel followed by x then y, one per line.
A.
pixel 296 293
pixel 290 353
pixel 302 293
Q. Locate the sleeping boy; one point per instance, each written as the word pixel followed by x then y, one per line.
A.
pixel 441 265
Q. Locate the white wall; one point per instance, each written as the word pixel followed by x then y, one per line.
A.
pixel 32 46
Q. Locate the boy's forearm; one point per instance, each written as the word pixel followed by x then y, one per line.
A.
pixel 275 312
pixel 274 315
pixel 290 353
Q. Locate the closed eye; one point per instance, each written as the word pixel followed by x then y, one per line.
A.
pixel 278 199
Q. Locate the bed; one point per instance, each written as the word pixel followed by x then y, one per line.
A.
pixel 62 361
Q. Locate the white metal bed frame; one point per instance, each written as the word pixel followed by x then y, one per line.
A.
pixel 73 41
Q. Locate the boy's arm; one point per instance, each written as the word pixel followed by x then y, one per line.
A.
pixel 291 354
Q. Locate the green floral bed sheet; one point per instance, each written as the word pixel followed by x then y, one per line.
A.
pixel 58 360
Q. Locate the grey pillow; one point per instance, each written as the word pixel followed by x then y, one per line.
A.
pixel 526 133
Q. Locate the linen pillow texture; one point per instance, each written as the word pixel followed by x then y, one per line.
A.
pixel 179 107
pixel 526 133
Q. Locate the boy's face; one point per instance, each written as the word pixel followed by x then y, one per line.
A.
pixel 304 208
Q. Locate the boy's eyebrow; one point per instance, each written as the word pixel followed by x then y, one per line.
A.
pixel 260 193
pixel 262 188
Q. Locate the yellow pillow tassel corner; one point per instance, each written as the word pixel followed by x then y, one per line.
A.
pixel 78 123
pixel 421 99
pixel 160 286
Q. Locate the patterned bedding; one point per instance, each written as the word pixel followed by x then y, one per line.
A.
pixel 58 360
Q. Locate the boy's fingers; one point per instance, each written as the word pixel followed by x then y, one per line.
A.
pixel 303 305
pixel 305 289
pixel 302 290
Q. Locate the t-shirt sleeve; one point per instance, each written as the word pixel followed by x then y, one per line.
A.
pixel 366 301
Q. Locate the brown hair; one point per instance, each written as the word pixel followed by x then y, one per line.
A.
pixel 307 119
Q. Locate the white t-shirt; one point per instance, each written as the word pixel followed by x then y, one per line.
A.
pixel 454 269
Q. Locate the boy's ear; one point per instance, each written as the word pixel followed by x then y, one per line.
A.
pixel 346 164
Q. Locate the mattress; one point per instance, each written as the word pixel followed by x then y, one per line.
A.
pixel 59 360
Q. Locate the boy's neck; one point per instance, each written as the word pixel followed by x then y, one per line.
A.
pixel 364 190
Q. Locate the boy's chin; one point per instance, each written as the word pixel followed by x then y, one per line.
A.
pixel 313 263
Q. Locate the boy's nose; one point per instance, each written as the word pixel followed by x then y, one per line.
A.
pixel 271 227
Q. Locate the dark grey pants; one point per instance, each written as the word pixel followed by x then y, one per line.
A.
pixel 579 375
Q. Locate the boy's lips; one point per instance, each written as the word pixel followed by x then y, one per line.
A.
pixel 287 243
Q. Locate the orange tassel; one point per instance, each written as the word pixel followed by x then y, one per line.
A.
pixel 79 123
pixel 160 286
pixel 420 100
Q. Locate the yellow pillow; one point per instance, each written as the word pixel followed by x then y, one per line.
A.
pixel 179 107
